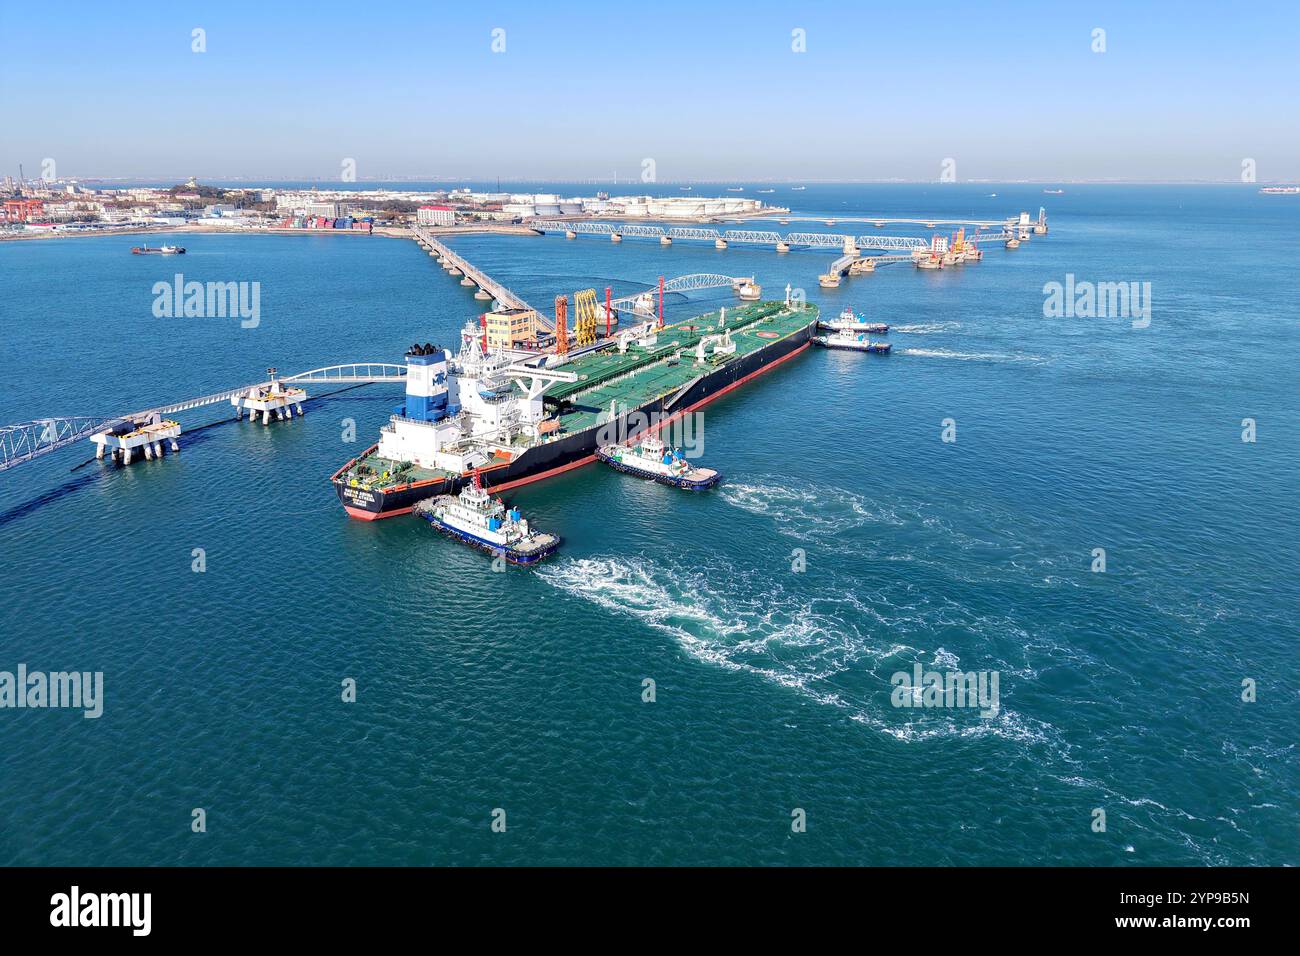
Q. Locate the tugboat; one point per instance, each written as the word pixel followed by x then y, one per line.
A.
pixel 157 250
pixel 848 322
pixel 477 519
pixel 851 341
pixel 651 459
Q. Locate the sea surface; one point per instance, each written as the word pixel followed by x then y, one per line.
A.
pixel 848 542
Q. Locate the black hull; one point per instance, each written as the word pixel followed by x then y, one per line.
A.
pixel 577 449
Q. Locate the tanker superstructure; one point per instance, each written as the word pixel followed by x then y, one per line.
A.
pixel 512 420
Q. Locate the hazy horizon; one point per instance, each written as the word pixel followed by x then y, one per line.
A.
pixel 1178 94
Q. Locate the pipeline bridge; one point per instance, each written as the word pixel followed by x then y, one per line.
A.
pixel 700 280
pixel 27 441
pixel 724 238
pixel 456 265
pixel 1007 223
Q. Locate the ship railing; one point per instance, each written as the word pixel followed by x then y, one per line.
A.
pixel 411 421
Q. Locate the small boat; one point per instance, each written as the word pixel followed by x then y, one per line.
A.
pixel 479 520
pixel 852 342
pixel 735 189
pixel 685 189
pixel 653 460
pixel 1054 192
pixel 767 190
pixel 849 322
pixel 157 250
pixel 798 188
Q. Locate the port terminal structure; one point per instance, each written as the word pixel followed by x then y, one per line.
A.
pixel 1011 232
pixel 723 239
pixel 642 304
pixel 152 431
pixel 470 274
pixel 1038 226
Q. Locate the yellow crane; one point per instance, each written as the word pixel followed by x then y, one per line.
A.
pixel 586 310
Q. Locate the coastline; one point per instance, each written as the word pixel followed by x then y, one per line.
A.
pixel 391 232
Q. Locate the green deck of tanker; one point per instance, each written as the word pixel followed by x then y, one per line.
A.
pixel 640 375
pixel 630 379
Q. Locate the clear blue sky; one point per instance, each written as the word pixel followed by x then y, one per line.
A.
pixel 885 90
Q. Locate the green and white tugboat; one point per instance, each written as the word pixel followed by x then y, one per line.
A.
pixel 478 519
pixel 650 458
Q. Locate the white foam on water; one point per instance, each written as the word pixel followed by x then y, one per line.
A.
pixel 946 659
pixel 975 356
pixel 810 510
pixel 926 328
pixel 813 646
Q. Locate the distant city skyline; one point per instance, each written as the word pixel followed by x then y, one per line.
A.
pixel 998 93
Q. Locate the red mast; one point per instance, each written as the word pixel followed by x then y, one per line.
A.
pixel 609 312
pixel 561 325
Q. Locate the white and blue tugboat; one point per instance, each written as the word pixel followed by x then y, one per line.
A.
pixel 478 519
pixel 849 322
pixel 856 342
pixel 651 459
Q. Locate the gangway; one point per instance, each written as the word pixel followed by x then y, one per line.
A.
pixel 26 441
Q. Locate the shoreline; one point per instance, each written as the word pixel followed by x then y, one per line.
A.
pixel 391 232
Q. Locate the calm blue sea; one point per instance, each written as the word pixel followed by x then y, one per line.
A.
pixel 1119 691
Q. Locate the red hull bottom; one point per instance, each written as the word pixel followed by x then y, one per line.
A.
pixel 376 515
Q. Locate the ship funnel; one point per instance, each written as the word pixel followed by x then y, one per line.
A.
pixel 426 383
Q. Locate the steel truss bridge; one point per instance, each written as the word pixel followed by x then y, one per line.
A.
pixel 753 237
pixel 1008 223
pixel 688 283
pixel 23 442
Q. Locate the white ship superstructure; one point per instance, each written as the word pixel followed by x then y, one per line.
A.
pixel 848 321
pixel 475 517
pixel 461 411
pixel 651 458
pixel 476 513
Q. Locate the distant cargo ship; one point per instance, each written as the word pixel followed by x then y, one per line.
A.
pixel 482 415
pixel 158 250
pixel 1280 190
pixel 1054 192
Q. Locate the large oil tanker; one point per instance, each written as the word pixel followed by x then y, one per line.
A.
pixel 513 421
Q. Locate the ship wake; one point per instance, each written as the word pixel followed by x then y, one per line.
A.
pixel 997 357
pixel 829 647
